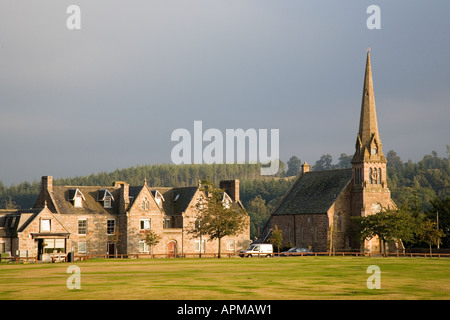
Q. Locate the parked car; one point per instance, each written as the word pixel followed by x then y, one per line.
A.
pixel 258 250
pixel 296 251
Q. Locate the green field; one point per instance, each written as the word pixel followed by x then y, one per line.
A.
pixel 231 278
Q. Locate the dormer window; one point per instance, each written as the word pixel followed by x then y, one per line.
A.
pixel 158 197
pixel 76 197
pixel 106 197
pixel 226 200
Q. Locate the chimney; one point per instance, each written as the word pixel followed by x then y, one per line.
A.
pixel 124 195
pixel 305 168
pixel 231 187
pixel 47 183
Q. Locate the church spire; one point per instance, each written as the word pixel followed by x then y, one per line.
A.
pixel 368 143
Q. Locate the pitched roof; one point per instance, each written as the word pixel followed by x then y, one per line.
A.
pixel 63 194
pixel 314 192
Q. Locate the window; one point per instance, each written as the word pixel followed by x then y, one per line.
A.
pixel 143 247
pixel 76 197
pixel 106 197
pixel 158 197
pixel 145 204
pixel 167 223
pixel 45 225
pixel 379 175
pixel 107 202
pixel 144 224
pixel 110 226
pixel 78 202
pixel 13 222
pixel 82 226
pixel 54 245
pixel 197 245
pixel 230 245
pixel 81 247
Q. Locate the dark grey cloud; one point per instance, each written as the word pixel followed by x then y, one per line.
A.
pixel 109 95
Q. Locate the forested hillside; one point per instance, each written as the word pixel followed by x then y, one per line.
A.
pixel 422 182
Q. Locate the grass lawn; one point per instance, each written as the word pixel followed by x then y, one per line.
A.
pixel 231 279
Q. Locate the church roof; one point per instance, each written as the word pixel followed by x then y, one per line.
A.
pixel 314 192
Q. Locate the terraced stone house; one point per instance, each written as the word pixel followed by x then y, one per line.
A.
pixel 89 220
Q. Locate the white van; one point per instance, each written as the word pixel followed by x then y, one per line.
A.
pixel 258 250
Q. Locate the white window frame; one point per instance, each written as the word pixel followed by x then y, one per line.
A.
pixel 107 203
pixel 143 247
pixel 145 224
pixel 85 227
pixel 231 245
pixel 78 201
pixel 197 246
pixel 82 246
pixel 47 226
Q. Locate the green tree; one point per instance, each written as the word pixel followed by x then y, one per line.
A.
pixel 259 213
pixel 294 166
pixel 440 212
pixel 428 232
pixel 324 163
pixel 276 238
pixel 387 225
pixel 215 218
pixel 151 238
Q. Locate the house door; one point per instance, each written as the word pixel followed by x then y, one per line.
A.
pixel 40 249
pixel 172 249
pixel 110 250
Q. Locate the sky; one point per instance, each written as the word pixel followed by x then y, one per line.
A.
pixel 110 94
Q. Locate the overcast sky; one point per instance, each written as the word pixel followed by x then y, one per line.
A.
pixel 108 96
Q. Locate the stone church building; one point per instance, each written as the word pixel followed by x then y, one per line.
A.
pixel 99 220
pixel 316 211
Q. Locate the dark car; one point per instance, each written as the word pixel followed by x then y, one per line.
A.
pixel 296 251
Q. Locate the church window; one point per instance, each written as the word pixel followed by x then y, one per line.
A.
pixel 338 222
pixel 379 175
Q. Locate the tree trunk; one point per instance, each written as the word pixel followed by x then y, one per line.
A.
pixel 220 248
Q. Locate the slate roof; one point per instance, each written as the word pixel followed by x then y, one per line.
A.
pixel 63 194
pixel 13 221
pixel 314 192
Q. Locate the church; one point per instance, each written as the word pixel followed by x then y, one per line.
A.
pixel 317 209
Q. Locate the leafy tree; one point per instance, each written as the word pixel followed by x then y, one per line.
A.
pixel 151 238
pixel 428 232
pixel 440 212
pixel 294 166
pixel 345 161
pixel 387 225
pixel 259 213
pixel 324 163
pixel 276 238
pixel 215 218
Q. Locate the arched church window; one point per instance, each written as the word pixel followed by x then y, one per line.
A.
pixel 338 222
